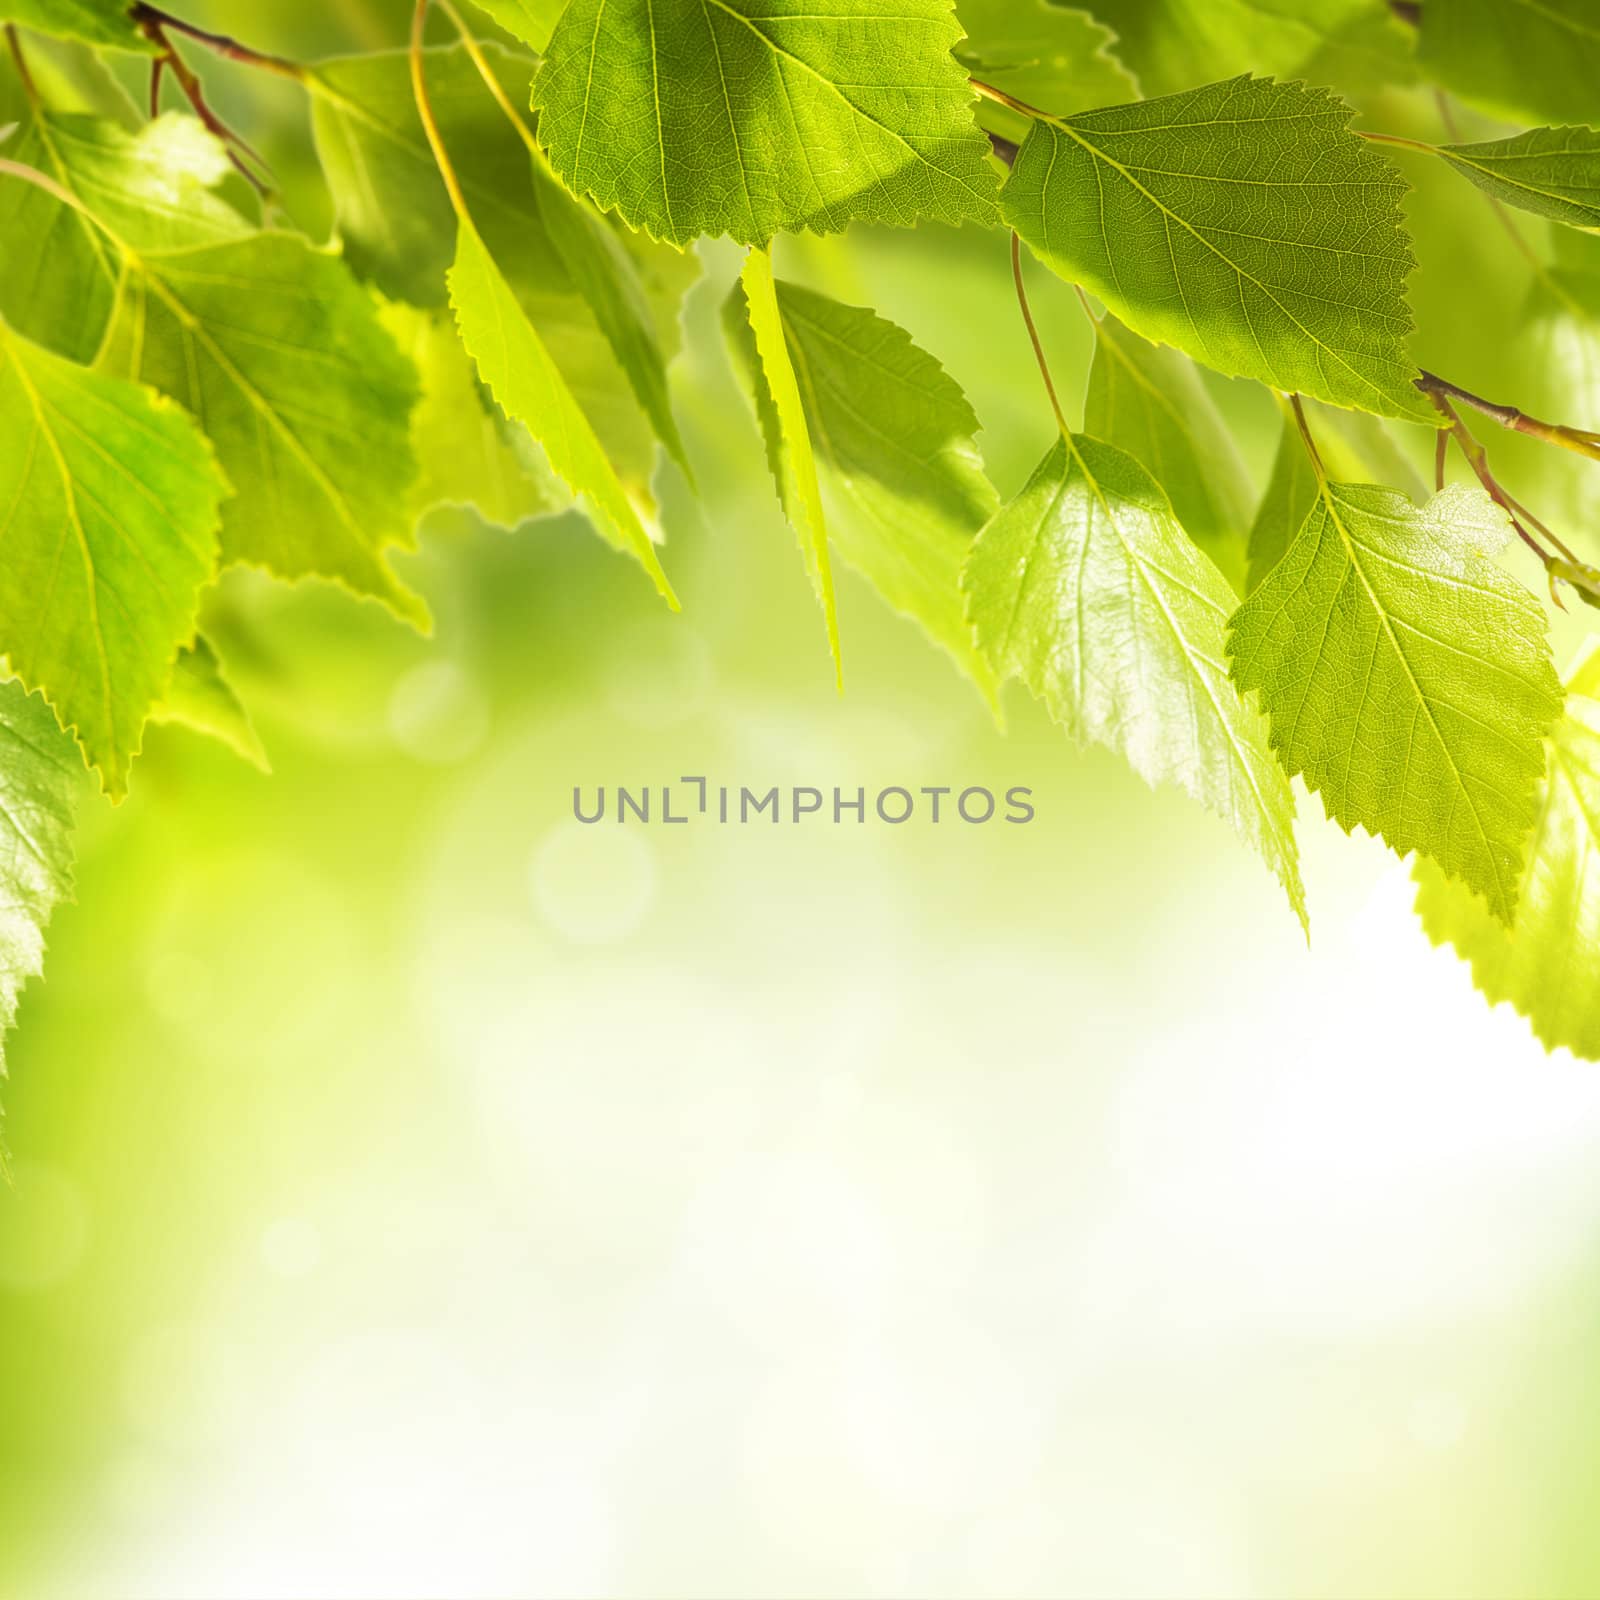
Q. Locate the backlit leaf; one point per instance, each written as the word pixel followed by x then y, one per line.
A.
pixel 201 698
pixel 59 273
pixel 106 24
pixel 604 304
pixel 1047 55
pixel 1174 44
pixel 1553 172
pixel 902 482
pixel 788 433
pixel 110 506
pixel 305 396
pixel 755 117
pixel 513 362
pixel 1529 60
pixel 471 453
pixel 1355 448
pixel 531 21
pixel 1242 222
pixel 1150 401
pixel 40 776
pixel 1086 588
pixel 1407 677
pixel 1548 963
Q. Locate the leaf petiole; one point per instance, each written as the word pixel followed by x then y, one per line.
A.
pixel 1033 335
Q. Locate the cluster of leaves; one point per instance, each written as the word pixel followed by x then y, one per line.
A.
pixel 186 384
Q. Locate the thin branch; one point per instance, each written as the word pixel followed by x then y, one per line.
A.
pixel 1033 334
pixel 148 16
pixel 236 145
pixel 1511 418
pixel 29 87
pixel 1477 458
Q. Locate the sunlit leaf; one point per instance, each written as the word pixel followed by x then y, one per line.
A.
pixel 513 362
pixel 902 482
pixel 788 434
pixel 40 776
pixel 755 117
pixel 1548 963
pixel 201 698
pixel 280 353
pixel 1553 172
pixel 1242 222
pixel 1530 60
pixel 1407 677
pixel 1150 401
pixel 1085 587
pixel 108 518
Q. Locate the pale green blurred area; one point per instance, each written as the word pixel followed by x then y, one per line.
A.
pixel 420 1194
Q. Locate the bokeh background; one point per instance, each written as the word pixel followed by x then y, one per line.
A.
pixel 419 1194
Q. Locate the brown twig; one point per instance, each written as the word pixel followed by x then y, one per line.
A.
pixel 1512 418
pixel 24 72
pixel 149 17
pixel 1478 459
pixel 236 145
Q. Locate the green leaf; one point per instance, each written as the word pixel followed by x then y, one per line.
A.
pixel 512 360
pixel 1548 964
pixel 1553 172
pixel 471 453
pixel 1242 222
pixel 40 776
pixel 201 698
pixel 302 392
pixel 605 305
pixel 106 24
pixel 789 438
pixel 68 76
pixel 110 500
pixel 1407 677
pixel 59 274
pixel 394 217
pixel 753 117
pixel 1086 588
pixel 902 482
pixel 1529 60
pixel 1046 55
pixel 531 21
pixel 1151 402
pixel 599 262
pixel 1174 44
pixel 1355 448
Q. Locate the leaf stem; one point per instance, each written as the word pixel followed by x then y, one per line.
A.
pixel 29 87
pixel 1297 406
pixel 419 88
pixel 1010 102
pixel 1033 335
pixel 1404 143
pixel 491 82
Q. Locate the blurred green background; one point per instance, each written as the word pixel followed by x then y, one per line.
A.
pixel 419 1194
